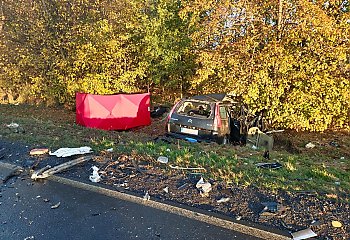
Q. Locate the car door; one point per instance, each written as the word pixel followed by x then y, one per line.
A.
pixel 225 120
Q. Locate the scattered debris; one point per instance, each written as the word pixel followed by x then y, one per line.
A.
pixel 191 140
pixel 315 223
pixel 275 165
pixel 48 171
pixel 95 177
pixel 337 224
pixel 186 168
pixel 163 159
pixel 182 186
pixel 334 144
pixel 310 145
pixel 271 207
pixel 67 152
pixel 223 200
pixel 166 189
pixel 147 197
pixel 204 187
pixel 266 155
pixel 56 205
pixel 10 173
pixel 304 234
pixel 15 127
pixel 331 195
pixel 29 238
pixel 158 111
pixel 259 139
pixel 39 151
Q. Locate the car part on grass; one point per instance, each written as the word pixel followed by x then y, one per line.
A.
pixel 48 171
pixel 162 159
pixel 272 207
pixel 67 152
pixel 304 234
pixel 39 151
pixel 186 168
pixel 275 165
pixel 259 139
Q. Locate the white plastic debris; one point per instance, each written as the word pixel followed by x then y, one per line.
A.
pixel 204 187
pixel 12 125
pixel 166 189
pixel 67 152
pixel 163 159
pixel 56 205
pixel 147 197
pixel 310 145
pixel 223 200
pixel 29 238
pixel 304 234
pixel 95 177
pixel 110 150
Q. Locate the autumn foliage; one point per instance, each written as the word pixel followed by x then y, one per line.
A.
pixel 291 58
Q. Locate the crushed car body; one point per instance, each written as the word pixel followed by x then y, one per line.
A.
pixel 222 118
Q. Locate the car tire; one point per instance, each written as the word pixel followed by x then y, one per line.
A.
pixel 223 140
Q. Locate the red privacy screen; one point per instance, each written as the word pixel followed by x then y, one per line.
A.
pixel 113 112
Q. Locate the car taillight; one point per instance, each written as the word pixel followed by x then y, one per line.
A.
pixel 217 119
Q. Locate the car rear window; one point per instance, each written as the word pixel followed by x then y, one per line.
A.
pixel 195 109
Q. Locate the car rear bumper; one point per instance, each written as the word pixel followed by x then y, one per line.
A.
pixel 190 137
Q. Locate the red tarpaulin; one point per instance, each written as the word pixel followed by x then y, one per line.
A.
pixel 113 112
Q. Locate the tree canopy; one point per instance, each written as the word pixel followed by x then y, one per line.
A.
pixel 290 57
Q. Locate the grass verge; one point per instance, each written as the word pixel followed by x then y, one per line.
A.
pixel 324 169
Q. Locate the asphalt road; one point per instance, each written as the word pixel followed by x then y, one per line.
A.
pixel 26 212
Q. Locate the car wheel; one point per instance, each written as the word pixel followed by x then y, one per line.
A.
pixel 223 140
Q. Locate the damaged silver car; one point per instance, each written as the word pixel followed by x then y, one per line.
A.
pixel 213 117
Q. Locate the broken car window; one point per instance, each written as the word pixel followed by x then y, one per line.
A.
pixel 195 109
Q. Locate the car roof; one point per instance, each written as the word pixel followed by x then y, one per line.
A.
pixel 214 97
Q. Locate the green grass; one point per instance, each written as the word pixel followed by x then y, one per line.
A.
pixel 308 171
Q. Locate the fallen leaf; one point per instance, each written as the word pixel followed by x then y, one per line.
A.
pixel 337 224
